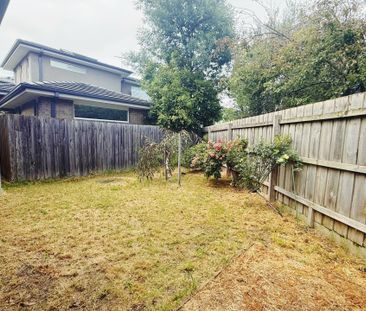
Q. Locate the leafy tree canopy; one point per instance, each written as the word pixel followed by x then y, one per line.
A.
pixel 182 99
pixel 184 51
pixel 310 54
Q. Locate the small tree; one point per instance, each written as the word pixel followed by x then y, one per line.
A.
pixel 153 156
pixel 184 50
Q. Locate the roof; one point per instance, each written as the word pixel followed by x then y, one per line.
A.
pixel 6 87
pixel 22 47
pixel 3 7
pixel 70 90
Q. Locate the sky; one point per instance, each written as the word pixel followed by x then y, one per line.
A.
pixel 102 29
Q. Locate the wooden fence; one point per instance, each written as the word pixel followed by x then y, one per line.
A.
pixel 330 137
pixel 35 148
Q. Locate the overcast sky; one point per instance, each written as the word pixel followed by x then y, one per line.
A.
pixel 100 29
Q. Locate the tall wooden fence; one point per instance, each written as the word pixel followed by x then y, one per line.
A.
pixel 330 137
pixel 33 148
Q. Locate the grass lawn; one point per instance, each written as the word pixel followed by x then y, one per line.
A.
pixel 113 243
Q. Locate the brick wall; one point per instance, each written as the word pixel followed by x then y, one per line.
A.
pixel 137 116
pixel 64 109
pixel 27 109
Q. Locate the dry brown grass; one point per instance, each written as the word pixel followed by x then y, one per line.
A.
pixel 113 243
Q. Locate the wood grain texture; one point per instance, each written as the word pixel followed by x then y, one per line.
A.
pixel 330 137
pixel 42 148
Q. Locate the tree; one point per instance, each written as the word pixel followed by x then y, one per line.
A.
pixel 185 48
pixel 180 99
pixel 184 53
pixel 314 54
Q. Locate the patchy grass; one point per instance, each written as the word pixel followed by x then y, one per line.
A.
pixel 113 243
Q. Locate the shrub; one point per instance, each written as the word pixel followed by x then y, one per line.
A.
pixel 154 156
pixel 150 161
pixel 194 157
pixel 255 168
pixel 250 166
pixel 215 159
pixel 236 151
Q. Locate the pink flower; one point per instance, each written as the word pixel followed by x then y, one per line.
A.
pixel 218 146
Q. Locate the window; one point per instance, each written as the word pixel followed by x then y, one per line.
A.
pixel 90 112
pixel 67 66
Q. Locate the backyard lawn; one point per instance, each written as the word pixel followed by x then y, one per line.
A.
pixel 112 243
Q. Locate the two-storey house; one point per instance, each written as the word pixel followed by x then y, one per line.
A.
pixel 62 84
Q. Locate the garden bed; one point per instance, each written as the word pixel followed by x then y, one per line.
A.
pixel 113 243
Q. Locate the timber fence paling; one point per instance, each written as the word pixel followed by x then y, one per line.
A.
pixel 330 138
pixel 35 148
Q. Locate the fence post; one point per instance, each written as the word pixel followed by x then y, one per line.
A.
pixel 273 177
pixel 230 132
pixel 311 217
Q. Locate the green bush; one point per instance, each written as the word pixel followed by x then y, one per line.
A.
pixel 194 157
pixel 250 166
pixel 236 151
pixel 255 168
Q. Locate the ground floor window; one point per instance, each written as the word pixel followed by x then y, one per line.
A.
pixel 90 112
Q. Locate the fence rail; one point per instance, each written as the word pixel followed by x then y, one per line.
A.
pixel 35 148
pixel 330 138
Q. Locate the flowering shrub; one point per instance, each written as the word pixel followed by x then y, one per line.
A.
pixel 250 166
pixel 215 159
pixel 255 168
pixel 195 156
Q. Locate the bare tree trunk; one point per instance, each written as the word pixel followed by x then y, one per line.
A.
pixel 179 156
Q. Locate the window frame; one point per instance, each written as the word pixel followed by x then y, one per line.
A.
pixel 62 65
pixel 103 120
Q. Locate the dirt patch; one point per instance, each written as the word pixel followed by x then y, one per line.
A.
pixel 33 284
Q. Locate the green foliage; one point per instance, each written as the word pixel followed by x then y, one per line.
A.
pixel 194 157
pixel 184 51
pixel 251 166
pixel 231 113
pixel 312 54
pixel 192 34
pixel 182 99
pixel 255 168
pixel 236 151
pixel 215 159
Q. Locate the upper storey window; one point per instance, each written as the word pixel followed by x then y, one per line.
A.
pixel 67 66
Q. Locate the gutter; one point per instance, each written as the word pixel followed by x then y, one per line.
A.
pixel 21 89
pixel 3 6
pixel 85 61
